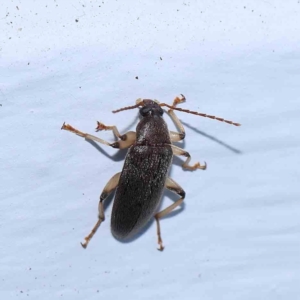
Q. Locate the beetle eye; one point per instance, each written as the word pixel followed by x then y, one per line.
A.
pixel 144 111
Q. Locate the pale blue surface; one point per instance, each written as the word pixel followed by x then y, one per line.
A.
pixel 238 236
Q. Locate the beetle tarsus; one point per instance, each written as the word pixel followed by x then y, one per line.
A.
pixel 100 126
pixel 178 100
pixel 84 245
pixel 198 166
pixel 89 237
pixel 161 247
pixel 65 126
pixel 160 243
pixel 68 127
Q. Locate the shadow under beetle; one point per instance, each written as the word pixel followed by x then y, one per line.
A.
pixel 140 185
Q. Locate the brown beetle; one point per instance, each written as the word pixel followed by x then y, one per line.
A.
pixel 140 185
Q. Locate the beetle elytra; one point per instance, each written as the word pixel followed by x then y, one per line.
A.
pixel 144 176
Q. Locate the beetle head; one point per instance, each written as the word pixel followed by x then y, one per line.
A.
pixel 150 108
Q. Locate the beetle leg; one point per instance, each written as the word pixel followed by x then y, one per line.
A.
pixel 177 136
pixel 126 139
pixel 110 186
pixel 174 187
pixel 185 165
pixel 101 126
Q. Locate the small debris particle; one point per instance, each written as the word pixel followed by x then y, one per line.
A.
pixel 160 58
pixel 136 77
pixel 76 20
pixel 17 7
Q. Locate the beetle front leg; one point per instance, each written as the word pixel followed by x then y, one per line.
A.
pixel 110 186
pixel 185 165
pixel 174 187
pixel 101 126
pixel 177 136
pixel 126 139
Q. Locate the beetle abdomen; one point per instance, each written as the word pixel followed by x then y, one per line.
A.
pixel 140 188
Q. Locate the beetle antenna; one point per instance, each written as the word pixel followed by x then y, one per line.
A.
pixel 200 114
pixel 126 108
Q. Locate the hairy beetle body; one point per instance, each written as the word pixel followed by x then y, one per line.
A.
pixel 144 176
pixel 140 188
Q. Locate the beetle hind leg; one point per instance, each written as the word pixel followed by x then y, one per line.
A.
pixel 176 188
pixel 110 186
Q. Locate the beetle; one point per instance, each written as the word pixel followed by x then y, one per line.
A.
pixel 144 176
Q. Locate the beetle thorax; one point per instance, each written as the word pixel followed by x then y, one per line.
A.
pixel 152 130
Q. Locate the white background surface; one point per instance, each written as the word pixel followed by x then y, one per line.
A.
pixel 237 234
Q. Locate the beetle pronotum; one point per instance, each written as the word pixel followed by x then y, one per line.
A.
pixel 140 185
